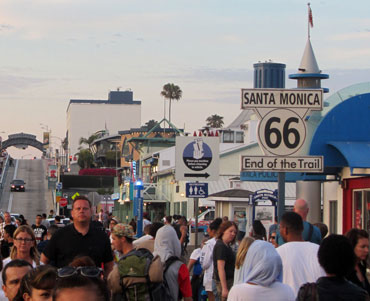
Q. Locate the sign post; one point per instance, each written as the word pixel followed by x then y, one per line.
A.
pixel 197 158
pixel 282 132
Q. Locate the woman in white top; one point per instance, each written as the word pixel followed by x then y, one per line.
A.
pixel 263 274
pixel 24 246
pixel 206 258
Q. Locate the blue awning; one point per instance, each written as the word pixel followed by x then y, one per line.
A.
pixel 357 154
pixel 343 135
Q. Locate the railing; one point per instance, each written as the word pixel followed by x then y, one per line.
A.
pixel 3 176
pixel 151 192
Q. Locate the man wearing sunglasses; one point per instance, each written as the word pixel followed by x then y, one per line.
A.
pixel 79 239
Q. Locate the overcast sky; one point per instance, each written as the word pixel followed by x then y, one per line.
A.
pixel 56 50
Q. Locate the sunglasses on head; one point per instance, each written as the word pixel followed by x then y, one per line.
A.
pixel 92 272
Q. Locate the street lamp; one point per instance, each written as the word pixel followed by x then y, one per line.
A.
pixel 139 186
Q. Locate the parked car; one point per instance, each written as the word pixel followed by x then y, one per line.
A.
pixel 204 219
pixel 17 185
pixel 65 221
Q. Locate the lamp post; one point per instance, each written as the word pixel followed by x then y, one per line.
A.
pixel 139 205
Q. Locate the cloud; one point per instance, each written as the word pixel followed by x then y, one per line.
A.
pixel 213 74
pixel 11 84
pixel 6 27
pixel 352 36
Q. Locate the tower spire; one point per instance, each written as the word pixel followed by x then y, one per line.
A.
pixel 309 75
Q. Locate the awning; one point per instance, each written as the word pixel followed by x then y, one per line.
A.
pixel 357 154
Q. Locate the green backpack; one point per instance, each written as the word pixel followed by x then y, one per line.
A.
pixel 134 275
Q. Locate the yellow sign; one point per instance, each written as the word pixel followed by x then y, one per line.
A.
pixel 75 195
pixel 58 198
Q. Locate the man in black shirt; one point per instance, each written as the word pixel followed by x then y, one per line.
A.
pixel 8 241
pixel 39 229
pixel 79 239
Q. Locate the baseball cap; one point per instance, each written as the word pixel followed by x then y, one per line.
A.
pixel 123 230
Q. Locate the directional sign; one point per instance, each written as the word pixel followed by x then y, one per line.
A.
pixel 197 158
pixel 196 190
pixel 271 163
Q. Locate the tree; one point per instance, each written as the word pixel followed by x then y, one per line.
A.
pixel 150 124
pixel 171 92
pixel 89 140
pixel 85 158
pixel 215 121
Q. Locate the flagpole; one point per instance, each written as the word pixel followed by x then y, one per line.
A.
pixel 308 21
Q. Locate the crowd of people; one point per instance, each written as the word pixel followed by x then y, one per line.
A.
pixel 103 260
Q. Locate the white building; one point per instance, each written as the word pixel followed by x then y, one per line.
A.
pixel 86 117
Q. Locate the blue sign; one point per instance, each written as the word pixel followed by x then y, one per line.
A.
pixel 265 195
pixel 59 185
pixel 196 190
pixel 257 176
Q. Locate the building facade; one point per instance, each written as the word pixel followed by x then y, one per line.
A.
pixel 86 117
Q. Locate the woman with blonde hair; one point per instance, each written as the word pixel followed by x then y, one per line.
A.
pixel 24 246
pixel 239 273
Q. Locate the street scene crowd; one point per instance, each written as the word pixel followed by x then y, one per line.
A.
pixel 102 259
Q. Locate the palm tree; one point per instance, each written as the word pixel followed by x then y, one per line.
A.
pixel 171 92
pixel 89 140
pixel 215 121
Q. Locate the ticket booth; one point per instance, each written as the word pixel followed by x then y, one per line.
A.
pixel 233 204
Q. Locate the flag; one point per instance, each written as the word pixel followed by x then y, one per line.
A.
pixel 310 19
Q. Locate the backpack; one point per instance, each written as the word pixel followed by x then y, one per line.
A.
pixel 140 275
pixel 161 291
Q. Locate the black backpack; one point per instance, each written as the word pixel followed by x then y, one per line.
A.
pixel 161 292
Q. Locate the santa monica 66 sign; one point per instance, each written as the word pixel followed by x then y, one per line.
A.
pixel 282 112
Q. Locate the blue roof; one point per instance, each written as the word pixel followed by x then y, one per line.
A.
pixel 343 135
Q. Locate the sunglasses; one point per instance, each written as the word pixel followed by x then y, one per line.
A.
pixel 92 272
pixel 272 237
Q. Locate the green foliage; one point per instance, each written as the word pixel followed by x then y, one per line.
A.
pixel 85 158
pixel 215 121
pixel 151 124
pixel 89 140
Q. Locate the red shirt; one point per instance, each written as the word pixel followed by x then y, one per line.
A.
pixel 183 279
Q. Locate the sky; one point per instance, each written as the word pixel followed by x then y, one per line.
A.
pixel 56 50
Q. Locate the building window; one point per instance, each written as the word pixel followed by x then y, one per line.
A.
pixel 239 137
pixel 176 208
pixel 361 209
pixel 228 137
pixel 357 209
pixel 333 217
pixel 184 208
